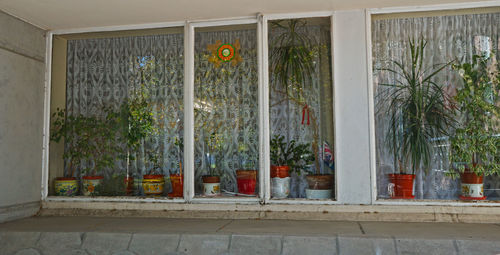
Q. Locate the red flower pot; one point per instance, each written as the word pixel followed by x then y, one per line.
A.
pixel 280 171
pixel 177 181
pixel 472 186
pixel 246 180
pixel 401 186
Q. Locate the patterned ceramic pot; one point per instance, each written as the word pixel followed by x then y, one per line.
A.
pixel 472 186
pixel 280 187
pixel 211 185
pixel 153 185
pixel 89 185
pixel 66 186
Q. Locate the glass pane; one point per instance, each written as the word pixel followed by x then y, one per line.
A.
pixel 226 128
pixel 122 127
pixel 446 38
pixel 301 109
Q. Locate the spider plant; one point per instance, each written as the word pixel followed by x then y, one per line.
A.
pixel 417 109
pixel 291 54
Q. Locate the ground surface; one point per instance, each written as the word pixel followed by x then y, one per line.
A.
pixel 106 235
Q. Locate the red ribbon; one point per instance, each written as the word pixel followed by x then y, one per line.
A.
pixel 306 108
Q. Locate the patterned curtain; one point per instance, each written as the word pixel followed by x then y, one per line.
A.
pixel 289 118
pixel 226 106
pixel 448 38
pixel 103 73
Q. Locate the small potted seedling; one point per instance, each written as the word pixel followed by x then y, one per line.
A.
pixel 287 157
pixel 211 182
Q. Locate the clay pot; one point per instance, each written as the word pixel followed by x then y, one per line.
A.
pixel 177 181
pixel 472 186
pixel 66 186
pixel 153 185
pixel 401 186
pixel 320 181
pixel 246 180
pixel 211 185
pixel 129 185
pixel 90 183
pixel 280 171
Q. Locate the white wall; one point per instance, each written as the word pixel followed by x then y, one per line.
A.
pixel 22 69
pixel 351 107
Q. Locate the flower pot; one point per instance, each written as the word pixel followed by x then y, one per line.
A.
pixel 90 183
pixel 66 186
pixel 401 186
pixel 177 181
pixel 246 180
pixel 153 185
pixel 280 181
pixel 320 181
pixel 129 185
pixel 320 186
pixel 472 186
pixel 211 185
pixel 280 171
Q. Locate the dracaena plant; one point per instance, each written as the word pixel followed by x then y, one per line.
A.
pixel 296 156
pixel 476 142
pixel 417 108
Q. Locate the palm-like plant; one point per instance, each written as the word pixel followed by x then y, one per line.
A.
pixel 417 108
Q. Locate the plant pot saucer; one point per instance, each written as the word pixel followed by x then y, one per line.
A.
pixel 471 198
pixel 403 197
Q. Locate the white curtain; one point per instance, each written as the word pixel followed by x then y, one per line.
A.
pixel 448 38
pixel 103 72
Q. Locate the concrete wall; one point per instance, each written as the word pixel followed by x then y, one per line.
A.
pixel 22 75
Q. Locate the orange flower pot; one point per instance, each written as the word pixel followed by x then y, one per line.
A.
pixel 401 186
pixel 177 181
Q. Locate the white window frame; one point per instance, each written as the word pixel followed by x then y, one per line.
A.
pixel 373 165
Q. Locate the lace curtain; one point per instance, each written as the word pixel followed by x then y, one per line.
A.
pixel 448 38
pixel 103 72
pixel 226 107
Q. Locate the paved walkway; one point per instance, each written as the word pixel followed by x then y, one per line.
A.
pixel 99 235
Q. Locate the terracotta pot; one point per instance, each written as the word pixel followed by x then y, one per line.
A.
pixel 472 186
pixel 66 186
pixel 246 180
pixel 401 186
pixel 280 171
pixel 211 185
pixel 320 181
pixel 153 185
pixel 177 181
pixel 90 183
pixel 129 185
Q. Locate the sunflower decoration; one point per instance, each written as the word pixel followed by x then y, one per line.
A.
pixel 225 52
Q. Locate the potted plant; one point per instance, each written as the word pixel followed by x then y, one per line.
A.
pixel 62 129
pixel 246 176
pixel 211 181
pixel 474 148
pixel 286 157
pixel 177 179
pixel 153 182
pixel 90 140
pixel 418 112
pixel 138 122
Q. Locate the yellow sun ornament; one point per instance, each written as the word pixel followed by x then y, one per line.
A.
pixel 225 53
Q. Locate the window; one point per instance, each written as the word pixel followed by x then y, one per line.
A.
pixel 412 133
pixel 301 108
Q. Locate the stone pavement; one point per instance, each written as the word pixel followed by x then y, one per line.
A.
pixel 113 235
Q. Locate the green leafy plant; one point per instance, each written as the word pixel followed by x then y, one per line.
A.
pixel 291 53
pixel 296 156
pixel 136 116
pixel 476 142
pixel 417 108
pixel 87 139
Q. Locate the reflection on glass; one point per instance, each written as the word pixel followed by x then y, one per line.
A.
pixel 226 111
pixel 301 109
